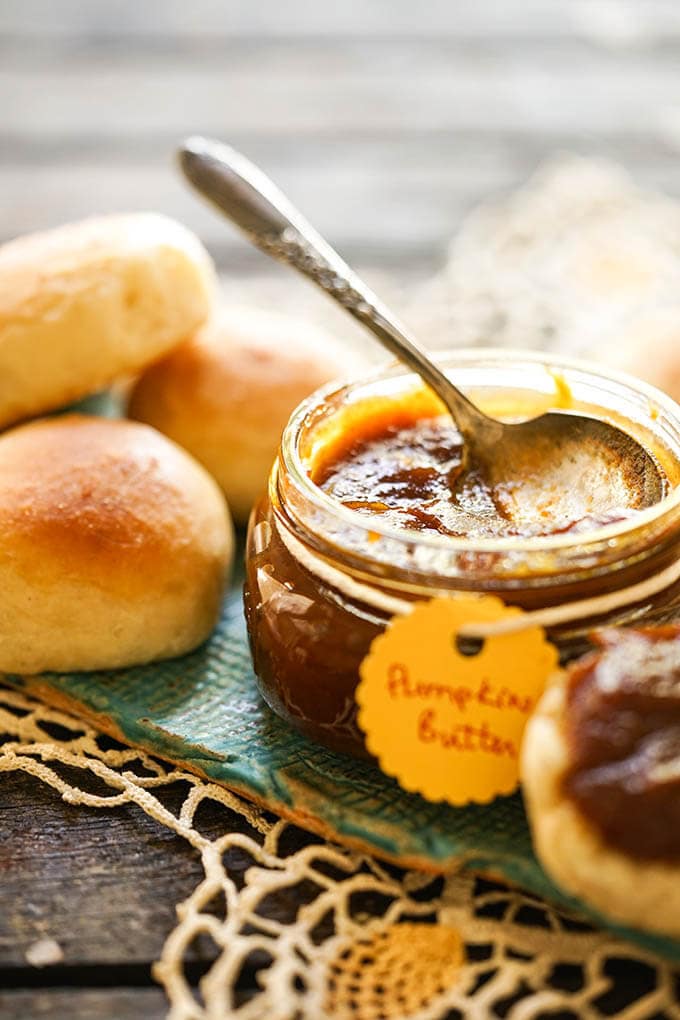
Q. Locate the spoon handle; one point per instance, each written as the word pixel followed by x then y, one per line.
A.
pixel 271 223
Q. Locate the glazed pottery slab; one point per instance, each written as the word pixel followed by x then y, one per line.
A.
pixel 203 712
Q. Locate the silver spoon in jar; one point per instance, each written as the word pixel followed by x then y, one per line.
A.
pixel 575 465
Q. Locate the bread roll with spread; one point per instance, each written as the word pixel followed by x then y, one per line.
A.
pixel 227 394
pixel 601 777
pixel 114 546
pixel 89 302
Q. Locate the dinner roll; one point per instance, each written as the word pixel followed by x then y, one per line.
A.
pixel 114 546
pixel 604 736
pixel 227 394
pixel 91 301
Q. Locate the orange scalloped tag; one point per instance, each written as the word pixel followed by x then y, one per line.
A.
pixel 445 724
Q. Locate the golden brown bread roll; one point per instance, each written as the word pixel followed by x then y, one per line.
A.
pixel 227 394
pixel 114 546
pixel 88 302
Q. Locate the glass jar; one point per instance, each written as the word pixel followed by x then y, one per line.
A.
pixel 323 581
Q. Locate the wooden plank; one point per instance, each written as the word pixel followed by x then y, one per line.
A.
pixel 325 52
pixel 626 18
pixel 389 203
pixel 369 209
pixel 395 154
pixel 102 883
pixel 550 94
pixel 84 1004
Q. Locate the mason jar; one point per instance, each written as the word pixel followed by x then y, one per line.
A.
pixel 323 580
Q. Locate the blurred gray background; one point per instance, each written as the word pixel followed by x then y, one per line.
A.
pixel 385 120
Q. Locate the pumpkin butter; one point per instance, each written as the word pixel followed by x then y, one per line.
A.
pixel 622 725
pixel 412 474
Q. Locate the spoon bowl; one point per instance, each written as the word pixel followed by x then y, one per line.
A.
pixel 568 467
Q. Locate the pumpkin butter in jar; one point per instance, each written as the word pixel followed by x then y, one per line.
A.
pixel 372 505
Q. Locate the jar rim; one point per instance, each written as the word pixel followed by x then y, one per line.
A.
pixel 537 544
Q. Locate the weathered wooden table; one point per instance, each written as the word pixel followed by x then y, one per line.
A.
pixel 385 121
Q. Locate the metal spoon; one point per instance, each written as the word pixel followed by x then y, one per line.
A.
pixel 586 466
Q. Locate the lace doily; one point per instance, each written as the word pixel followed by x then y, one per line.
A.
pixel 369 941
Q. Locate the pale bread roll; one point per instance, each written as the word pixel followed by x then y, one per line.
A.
pixel 227 394
pixel 641 893
pixel 88 302
pixel 114 546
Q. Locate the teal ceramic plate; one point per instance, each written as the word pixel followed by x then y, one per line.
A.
pixel 203 712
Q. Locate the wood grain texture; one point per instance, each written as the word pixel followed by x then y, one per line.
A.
pixel 102 884
pixel 385 122
pixel 518 18
pixel 286 92
pixel 83 1004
